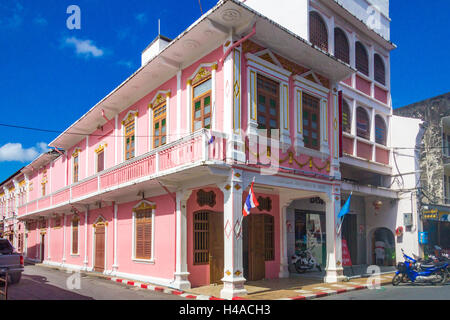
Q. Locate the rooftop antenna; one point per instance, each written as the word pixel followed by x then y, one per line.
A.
pixel 159 27
pixel 200 4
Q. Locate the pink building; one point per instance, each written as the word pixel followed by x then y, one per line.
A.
pixel 153 189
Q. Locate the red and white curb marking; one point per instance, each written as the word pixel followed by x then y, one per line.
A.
pixel 319 292
pixel 167 290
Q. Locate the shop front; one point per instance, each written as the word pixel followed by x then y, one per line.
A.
pixel 436 227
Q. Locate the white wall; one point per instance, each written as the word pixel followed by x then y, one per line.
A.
pixel 292 15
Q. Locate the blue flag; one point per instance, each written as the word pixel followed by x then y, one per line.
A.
pixel 346 208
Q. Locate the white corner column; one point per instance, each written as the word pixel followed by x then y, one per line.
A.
pixel 284 261
pixel 86 215
pixel 64 240
pixel 298 139
pixel 334 270
pixel 233 280
pixel 181 270
pixel 115 265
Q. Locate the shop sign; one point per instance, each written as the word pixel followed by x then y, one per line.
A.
pixel 430 214
pixel 423 237
pixel 346 260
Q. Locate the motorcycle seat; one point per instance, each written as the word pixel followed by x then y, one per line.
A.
pixel 436 265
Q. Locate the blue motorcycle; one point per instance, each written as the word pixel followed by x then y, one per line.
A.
pixel 412 271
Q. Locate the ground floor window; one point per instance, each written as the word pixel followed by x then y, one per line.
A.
pixel 438 235
pixel 310 233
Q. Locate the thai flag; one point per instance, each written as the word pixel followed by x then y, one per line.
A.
pixel 250 202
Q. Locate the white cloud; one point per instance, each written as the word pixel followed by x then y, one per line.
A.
pixel 16 152
pixel 84 48
pixel 128 64
pixel 39 20
pixel 141 18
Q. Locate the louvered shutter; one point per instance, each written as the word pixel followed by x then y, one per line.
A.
pixel 143 234
pixel 75 237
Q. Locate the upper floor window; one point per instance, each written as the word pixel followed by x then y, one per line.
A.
pixel 75 169
pixel 129 137
pixel 202 105
pixel 346 118
pixel 311 121
pixel 362 123
pixel 101 160
pixel 380 130
pixel 379 70
pixel 159 125
pixel 268 104
pixel 318 34
pixel 362 59
pixel 341 47
pixel 446 189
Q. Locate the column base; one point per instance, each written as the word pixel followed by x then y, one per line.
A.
pixel 284 271
pixel 181 281
pixel 334 275
pixel 233 288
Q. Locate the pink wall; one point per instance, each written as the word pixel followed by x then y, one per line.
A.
pixel 381 95
pixel 363 85
pixel 347 144
pixel 364 150
pixel 382 155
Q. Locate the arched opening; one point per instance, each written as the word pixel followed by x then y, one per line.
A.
pixel 383 247
pixel 346 117
pixel 341 46
pixel 362 59
pixel 379 69
pixel 318 34
pixel 380 130
pixel 362 123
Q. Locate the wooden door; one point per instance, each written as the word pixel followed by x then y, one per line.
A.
pixel 216 250
pixel 42 247
pixel 256 245
pixel 99 264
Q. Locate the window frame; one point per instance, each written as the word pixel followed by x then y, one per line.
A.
pixel 127 123
pixel 276 97
pixel 158 119
pixel 76 167
pixel 319 127
pixel 206 235
pixel 202 106
pixel 143 206
pixel 269 251
pixel 379 69
pixel 380 119
pixel 346 105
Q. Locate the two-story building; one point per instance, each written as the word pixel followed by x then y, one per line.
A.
pixel 149 184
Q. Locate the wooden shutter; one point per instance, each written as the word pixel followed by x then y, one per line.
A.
pixel 100 161
pixel 129 140
pixel 311 121
pixel 346 123
pixel 380 73
pixel 75 236
pixel 143 221
pixel 75 170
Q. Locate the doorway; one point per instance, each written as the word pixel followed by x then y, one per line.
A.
pixel 42 247
pixel 383 247
pixel 99 234
pixel 208 243
pixel 257 244
pixel 350 233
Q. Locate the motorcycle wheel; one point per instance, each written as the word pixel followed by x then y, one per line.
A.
pixel 298 267
pixel 397 279
pixel 443 274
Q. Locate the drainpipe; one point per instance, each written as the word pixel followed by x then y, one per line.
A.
pixel 236 44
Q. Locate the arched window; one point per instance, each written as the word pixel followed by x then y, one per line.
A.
pixel 380 73
pixel 318 34
pixel 362 59
pixel 346 118
pixel 362 123
pixel 380 130
pixel 341 47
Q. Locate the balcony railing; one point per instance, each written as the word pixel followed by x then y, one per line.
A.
pixel 365 149
pixel 184 152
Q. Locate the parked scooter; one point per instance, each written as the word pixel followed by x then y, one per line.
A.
pixel 412 271
pixel 304 260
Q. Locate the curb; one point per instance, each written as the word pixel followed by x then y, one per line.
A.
pixel 177 292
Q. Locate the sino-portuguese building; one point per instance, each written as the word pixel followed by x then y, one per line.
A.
pixel 154 190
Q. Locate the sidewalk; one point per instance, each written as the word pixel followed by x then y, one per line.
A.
pixel 293 288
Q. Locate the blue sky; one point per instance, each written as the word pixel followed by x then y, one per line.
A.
pixel 52 75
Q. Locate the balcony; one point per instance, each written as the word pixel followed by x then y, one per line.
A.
pixel 185 153
pixel 365 151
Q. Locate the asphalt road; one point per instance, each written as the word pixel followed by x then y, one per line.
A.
pixel 41 283
pixel 401 292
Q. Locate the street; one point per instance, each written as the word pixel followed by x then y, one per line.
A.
pixel 402 292
pixel 41 283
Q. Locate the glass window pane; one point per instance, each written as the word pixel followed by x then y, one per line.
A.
pixel 273 123
pixel 197 125
pixel 207 101
pixel 207 121
pixel 163 140
pixel 207 109
pixel 202 88
pixel 262 108
pixel 273 111
pixel 156 143
pixel 261 119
